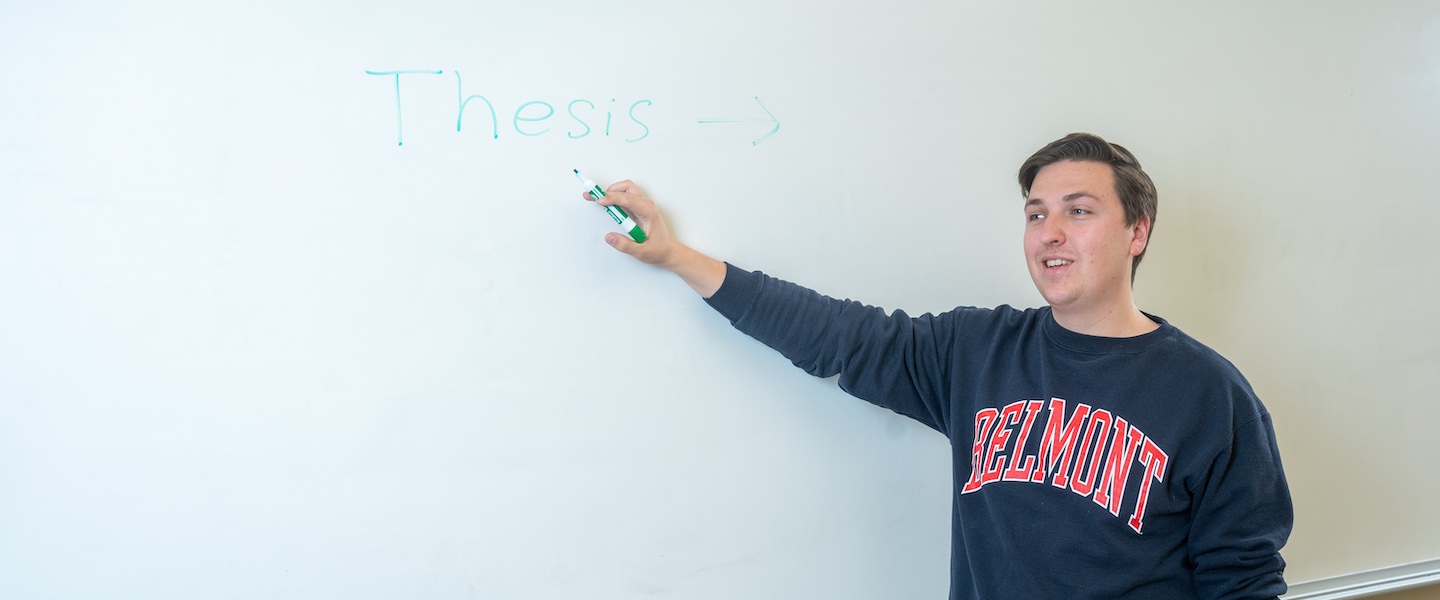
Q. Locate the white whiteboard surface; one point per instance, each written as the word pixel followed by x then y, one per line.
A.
pixel 251 346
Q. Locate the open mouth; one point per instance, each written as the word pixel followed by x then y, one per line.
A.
pixel 1056 262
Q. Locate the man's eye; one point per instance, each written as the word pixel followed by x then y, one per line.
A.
pixel 1079 211
pixel 1034 217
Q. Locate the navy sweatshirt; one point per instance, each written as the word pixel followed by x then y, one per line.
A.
pixel 1084 467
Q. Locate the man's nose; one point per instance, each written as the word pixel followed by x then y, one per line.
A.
pixel 1052 231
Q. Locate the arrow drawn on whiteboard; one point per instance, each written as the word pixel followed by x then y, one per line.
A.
pixel 772 119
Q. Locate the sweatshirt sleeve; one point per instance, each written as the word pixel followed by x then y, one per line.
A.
pixel 1241 518
pixel 893 361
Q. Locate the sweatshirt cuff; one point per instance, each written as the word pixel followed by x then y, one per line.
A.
pixel 736 293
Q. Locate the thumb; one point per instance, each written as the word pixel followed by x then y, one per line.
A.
pixel 621 242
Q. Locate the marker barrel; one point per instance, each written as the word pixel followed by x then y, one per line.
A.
pixel 626 223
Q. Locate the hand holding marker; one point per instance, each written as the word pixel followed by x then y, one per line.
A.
pixel 615 212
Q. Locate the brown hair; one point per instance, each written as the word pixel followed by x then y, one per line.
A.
pixel 1132 185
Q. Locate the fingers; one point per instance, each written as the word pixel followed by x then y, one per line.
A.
pixel 619 187
pixel 638 205
pixel 625 186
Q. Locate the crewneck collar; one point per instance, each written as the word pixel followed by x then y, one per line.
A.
pixel 1094 344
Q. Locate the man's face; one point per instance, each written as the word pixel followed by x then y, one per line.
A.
pixel 1077 245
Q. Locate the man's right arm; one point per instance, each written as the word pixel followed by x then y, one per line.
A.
pixel 893 361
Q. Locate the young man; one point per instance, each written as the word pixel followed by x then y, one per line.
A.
pixel 1099 452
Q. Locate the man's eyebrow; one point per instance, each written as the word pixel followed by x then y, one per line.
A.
pixel 1068 198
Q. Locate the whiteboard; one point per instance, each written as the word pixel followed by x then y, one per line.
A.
pixel 266 331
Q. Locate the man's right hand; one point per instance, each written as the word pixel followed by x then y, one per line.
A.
pixel 702 273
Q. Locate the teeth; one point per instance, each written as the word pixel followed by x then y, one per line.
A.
pixel 1056 262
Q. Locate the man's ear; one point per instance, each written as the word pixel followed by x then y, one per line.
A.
pixel 1141 237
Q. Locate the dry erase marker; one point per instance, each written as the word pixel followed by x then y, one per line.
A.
pixel 615 212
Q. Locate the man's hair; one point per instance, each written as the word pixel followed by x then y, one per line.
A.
pixel 1132 185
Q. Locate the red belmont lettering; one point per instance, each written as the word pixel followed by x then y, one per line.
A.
pixel 1091 453
pixel 984 421
pixel 1020 469
pixel 994 464
pixel 1082 480
pixel 1061 434
pixel 1117 467
pixel 1154 460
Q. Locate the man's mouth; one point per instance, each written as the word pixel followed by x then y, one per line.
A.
pixel 1056 262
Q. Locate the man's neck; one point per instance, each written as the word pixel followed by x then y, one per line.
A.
pixel 1118 321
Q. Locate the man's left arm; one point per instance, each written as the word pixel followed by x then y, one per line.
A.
pixel 1241 517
